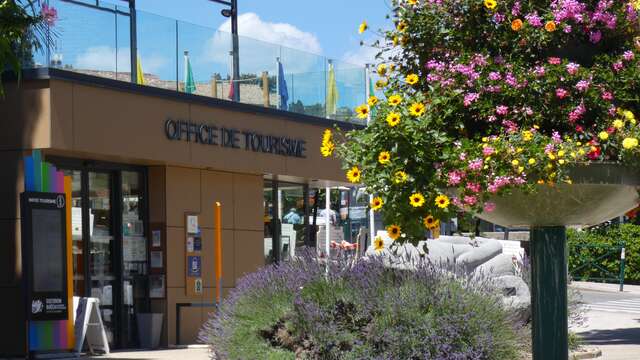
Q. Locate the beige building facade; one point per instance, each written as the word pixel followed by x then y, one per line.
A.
pixel 147 158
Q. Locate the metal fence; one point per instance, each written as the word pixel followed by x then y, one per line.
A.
pixel 598 262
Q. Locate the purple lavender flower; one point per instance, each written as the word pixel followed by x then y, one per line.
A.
pixel 495 76
pixel 628 55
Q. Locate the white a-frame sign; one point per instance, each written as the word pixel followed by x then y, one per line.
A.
pixel 89 326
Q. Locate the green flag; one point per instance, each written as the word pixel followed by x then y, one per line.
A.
pixel 189 83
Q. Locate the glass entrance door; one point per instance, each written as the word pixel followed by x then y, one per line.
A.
pixel 102 247
pixel 108 218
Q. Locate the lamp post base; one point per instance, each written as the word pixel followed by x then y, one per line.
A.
pixel 548 249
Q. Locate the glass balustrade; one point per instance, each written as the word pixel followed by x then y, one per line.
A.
pixel 94 38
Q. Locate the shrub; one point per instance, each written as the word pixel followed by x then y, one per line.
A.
pixel 610 235
pixel 360 311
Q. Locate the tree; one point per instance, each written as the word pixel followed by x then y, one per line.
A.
pixel 24 26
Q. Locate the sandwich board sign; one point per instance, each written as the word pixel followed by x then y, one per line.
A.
pixel 89 326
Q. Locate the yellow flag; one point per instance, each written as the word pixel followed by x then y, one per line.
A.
pixel 332 92
pixel 139 73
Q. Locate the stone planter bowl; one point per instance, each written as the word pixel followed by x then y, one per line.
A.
pixel 600 192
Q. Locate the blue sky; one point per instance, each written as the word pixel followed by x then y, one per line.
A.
pixel 333 22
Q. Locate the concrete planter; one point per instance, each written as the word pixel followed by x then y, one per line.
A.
pixel 599 192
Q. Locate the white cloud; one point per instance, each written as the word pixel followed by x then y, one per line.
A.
pixel 362 56
pixel 261 42
pixel 250 25
pixel 105 58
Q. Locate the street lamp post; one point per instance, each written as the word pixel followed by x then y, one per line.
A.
pixel 232 12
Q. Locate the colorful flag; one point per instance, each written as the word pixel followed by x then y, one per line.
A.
pixel 139 72
pixel 231 95
pixel 332 92
pixel 282 88
pixel 189 83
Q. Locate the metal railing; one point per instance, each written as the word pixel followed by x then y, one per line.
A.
pixel 597 261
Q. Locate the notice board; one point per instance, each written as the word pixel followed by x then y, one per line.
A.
pixel 193 255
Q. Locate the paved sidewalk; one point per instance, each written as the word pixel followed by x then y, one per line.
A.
pixel 199 353
pixel 594 286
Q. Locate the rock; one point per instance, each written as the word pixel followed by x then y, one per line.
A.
pixel 502 264
pixel 516 295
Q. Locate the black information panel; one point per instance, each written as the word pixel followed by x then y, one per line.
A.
pixel 44 254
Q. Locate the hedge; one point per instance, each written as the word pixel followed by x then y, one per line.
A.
pixel 611 235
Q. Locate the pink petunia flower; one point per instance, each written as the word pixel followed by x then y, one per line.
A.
pixel 561 93
pixel 489 206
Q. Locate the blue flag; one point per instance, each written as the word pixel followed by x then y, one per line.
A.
pixel 282 86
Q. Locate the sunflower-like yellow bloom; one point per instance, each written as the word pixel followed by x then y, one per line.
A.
pixel 327 149
pixel 382 69
pixel 402 26
pixel 384 157
pixel 442 201
pixel 527 135
pixel 417 109
pixel 381 84
pixel 416 200
pixel 430 222
pixel 393 231
pixel 363 27
pixel 378 244
pixel 394 100
pixel 393 119
pixel 400 177
pixel 490 4
pixel 376 203
pixel 411 79
pixel 362 111
pixel 372 100
pixel 353 175
pixel 412 2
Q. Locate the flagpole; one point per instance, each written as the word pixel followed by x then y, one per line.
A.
pixel 367 91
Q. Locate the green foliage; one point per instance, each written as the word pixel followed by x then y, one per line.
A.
pixel 604 238
pixel 22 27
pixel 361 311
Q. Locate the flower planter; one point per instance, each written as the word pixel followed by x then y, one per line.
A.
pixel 599 193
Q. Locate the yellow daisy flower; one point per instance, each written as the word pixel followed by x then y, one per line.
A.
pixel 381 84
pixel 327 149
pixel 372 101
pixel 442 201
pixel 411 79
pixel 417 109
pixel 376 203
pixel 618 124
pixel 378 244
pixel 393 119
pixel 384 157
pixel 363 27
pixel 362 111
pixel 416 200
pixel 430 222
pixel 393 231
pixel 629 143
pixel 527 135
pixel 400 177
pixel 603 135
pixel 532 161
pixel 382 69
pixel 490 4
pixel 412 2
pixel 402 26
pixel 394 100
pixel 353 175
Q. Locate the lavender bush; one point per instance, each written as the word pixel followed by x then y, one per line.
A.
pixel 295 310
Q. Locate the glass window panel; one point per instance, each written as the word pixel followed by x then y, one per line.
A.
pixel 76 232
pixel 101 247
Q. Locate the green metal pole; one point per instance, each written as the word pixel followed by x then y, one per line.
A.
pixel 549 293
